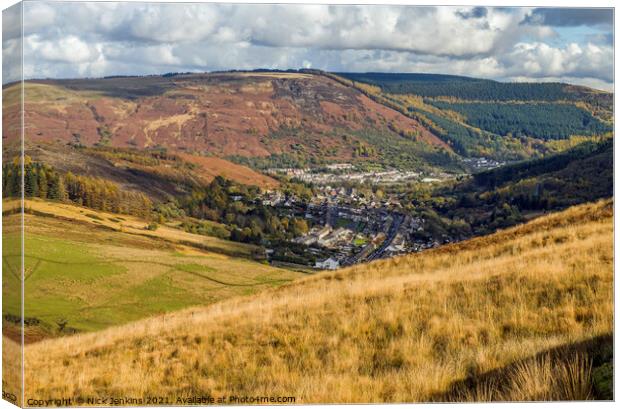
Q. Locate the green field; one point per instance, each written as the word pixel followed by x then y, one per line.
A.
pixel 94 278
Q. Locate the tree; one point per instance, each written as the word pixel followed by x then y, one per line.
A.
pixel 299 227
pixel 57 190
pixel 11 186
pixel 31 184
pixel 43 185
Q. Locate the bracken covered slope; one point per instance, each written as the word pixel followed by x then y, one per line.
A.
pixel 244 114
pixel 405 329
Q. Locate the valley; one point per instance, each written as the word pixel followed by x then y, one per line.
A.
pixel 181 229
pixel 330 189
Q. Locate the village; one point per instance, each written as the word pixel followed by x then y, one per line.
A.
pixel 345 172
pixel 346 226
pixel 483 163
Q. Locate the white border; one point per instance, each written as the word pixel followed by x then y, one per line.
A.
pixel 513 3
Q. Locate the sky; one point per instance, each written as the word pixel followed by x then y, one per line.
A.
pixel 71 40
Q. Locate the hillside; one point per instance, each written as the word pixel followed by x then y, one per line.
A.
pixel 583 173
pixel 532 303
pixel 479 117
pixel 288 117
pixel 159 173
pixel 108 269
pixel 308 117
pixel 511 194
pixel 438 85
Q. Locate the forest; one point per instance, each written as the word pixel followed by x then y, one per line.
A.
pixel 539 120
pixel 236 206
pixel 504 196
pixel 436 85
pixel 528 169
pixel 43 181
pixel 478 117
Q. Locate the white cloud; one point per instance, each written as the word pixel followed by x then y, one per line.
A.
pixel 173 23
pixel 92 39
pixel 539 60
pixel 69 49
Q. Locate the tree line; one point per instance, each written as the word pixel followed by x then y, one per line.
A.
pixel 43 181
pixel 237 206
pixel 436 85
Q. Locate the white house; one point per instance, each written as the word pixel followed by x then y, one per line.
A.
pixel 329 264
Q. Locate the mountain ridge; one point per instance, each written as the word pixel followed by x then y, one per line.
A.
pixel 303 117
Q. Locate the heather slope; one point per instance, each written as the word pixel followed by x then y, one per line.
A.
pixel 310 117
pixel 227 114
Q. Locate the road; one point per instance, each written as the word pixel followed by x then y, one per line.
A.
pixel 368 253
pixel 392 232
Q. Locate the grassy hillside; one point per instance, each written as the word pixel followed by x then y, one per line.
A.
pixel 137 226
pixel 94 270
pixel 275 119
pixel 528 302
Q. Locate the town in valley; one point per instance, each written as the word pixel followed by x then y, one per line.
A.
pixel 347 226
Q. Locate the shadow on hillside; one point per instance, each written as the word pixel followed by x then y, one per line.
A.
pixel 499 384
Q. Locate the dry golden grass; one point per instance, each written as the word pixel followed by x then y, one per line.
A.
pixel 562 374
pixel 404 329
pixel 132 225
pixel 11 368
pixel 545 380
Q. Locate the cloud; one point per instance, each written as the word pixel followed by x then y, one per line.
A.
pixel 70 49
pixel 94 39
pixel 11 22
pixel 170 23
pixel 476 12
pixel 427 30
pixel 539 60
pixel 570 17
pixel 601 38
pixel 39 15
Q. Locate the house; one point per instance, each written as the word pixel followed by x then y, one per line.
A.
pixel 324 232
pixel 329 264
pixel 273 199
pixel 339 166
